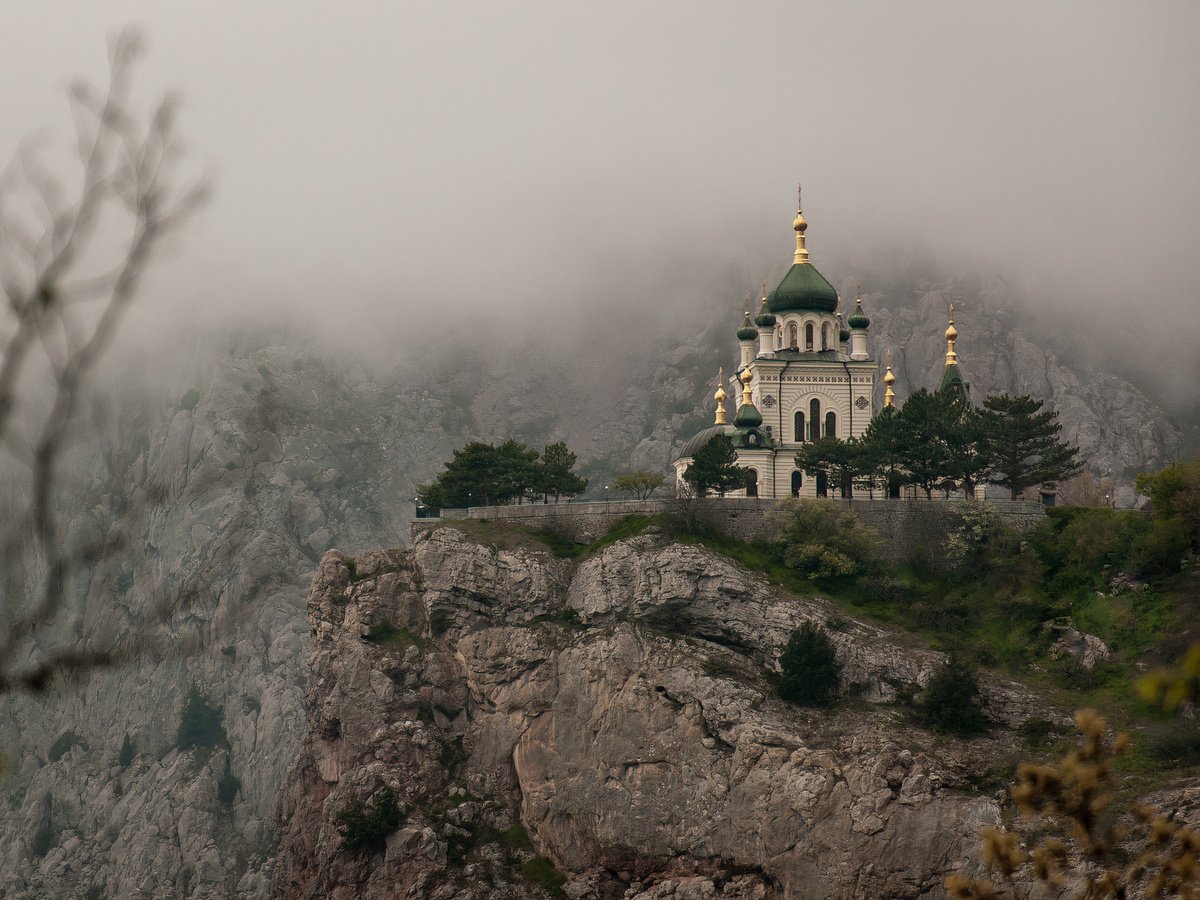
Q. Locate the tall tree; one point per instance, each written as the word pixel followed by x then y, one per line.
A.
pixel 1023 443
pixel 880 449
pixel 923 453
pixel 555 474
pixel 843 463
pixel 967 446
pixel 715 468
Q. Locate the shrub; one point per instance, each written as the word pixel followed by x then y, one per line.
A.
pixel 200 723
pixel 365 825
pixel 810 668
pixel 125 757
pixel 951 702
pixel 823 540
pixel 542 872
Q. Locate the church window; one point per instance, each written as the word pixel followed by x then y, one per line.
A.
pixel 814 420
pixel 825 337
pixel 799 436
pixel 808 336
pixel 793 336
pixel 830 425
pixel 797 480
pixel 752 483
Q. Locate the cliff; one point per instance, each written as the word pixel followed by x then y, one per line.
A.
pixel 619 711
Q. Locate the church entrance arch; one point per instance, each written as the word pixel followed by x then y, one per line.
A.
pixel 797 480
pixel 752 483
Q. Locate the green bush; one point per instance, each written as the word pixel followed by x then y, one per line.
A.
pixel 542 872
pixel 810 668
pixel 365 825
pixel 951 702
pixel 125 757
pixel 821 539
pixel 200 724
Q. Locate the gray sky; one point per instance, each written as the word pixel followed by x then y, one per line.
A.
pixel 383 157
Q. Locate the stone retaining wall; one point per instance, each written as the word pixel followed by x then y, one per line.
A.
pixel 908 526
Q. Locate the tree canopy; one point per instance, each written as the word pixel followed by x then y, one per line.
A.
pixel 640 484
pixel 481 474
pixel 715 468
pixel 1022 441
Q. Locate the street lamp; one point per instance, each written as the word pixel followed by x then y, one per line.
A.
pixel 606 498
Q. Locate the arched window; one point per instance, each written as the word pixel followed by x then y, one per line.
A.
pixel 814 420
pixel 830 425
pixel 797 480
pixel 752 483
pixel 808 336
pixel 799 426
pixel 793 336
pixel 825 337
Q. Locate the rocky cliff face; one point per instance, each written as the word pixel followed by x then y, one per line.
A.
pixel 619 711
pixel 230 489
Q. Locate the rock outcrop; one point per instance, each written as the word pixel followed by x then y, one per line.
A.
pixel 619 712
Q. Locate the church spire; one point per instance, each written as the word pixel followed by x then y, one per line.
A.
pixel 800 225
pixel 951 337
pixel 889 396
pixel 720 396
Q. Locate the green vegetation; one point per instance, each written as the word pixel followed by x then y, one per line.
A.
pixel 385 634
pixel 822 539
pixel 714 468
pixel 63 744
pixel 482 474
pixel 365 825
pixel 200 723
pixel 951 702
pixel 809 668
pixel 640 484
pixel 125 757
pixel 541 871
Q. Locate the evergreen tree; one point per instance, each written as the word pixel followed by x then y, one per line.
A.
pixel 921 447
pixel 481 474
pixel 715 468
pixel 809 667
pixel 843 462
pixel 967 446
pixel 880 449
pixel 1022 440
pixel 555 474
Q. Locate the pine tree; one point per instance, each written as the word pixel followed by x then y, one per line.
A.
pixel 968 450
pixel 1023 442
pixel 715 468
pixel 555 475
pixel 809 668
pixel 921 447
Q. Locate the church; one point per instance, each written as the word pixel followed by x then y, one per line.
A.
pixel 803 374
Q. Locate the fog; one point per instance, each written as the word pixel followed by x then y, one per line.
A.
pixel 388 171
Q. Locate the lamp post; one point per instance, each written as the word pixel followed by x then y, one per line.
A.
pixel 606 498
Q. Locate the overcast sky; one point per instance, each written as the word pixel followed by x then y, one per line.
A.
pixel 371 158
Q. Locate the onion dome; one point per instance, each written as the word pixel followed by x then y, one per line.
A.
pixel 843 334
pixel 765 318
pixel 747 332
pixel 748 415
pixel 698 440
pixel 858 318
pixel 889 397
pixel 803 288
pixel 951 337
pixel 720 396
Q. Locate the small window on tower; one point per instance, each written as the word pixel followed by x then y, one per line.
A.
pixel 793 337
pixel 830 425
pixel 808 336
pixel 825 336
pixel 799 432
pixel 814 419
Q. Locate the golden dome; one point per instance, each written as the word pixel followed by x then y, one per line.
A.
pixel 800 224
pixel 720 396
pixel 746 378
pixel 951 337
pixel 889 397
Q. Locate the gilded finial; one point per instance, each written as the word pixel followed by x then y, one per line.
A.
pixel 747 303
pixel 951 337
pixel 764 292
pixel 889 396
pixel 746 378
pixel 720 396
pixel 799 225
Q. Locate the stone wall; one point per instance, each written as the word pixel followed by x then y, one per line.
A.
pixel 907 526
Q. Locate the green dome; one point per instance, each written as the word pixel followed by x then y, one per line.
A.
pixel 843 335
pixel 803 288
pixel 747 416
pixel 747 332
pixel 765 317
pixel 859 319
pixel 698 440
